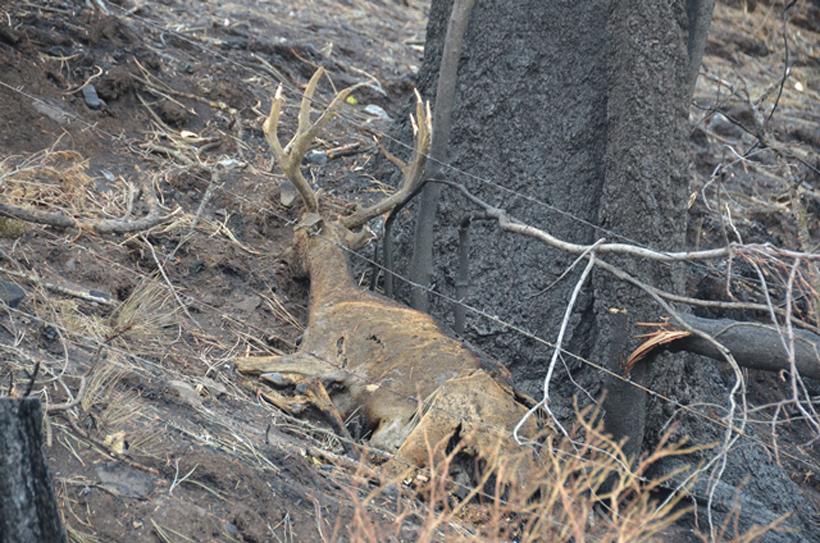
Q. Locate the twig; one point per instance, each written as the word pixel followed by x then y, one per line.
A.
pixel 83 295
pixel 177 481
pixel 212 184
pixel 65 406
pixel 100 226
pixel 91 78
pixel 557 350
pixel 32 379
pixel 168 282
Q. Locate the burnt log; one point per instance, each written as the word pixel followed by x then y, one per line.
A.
pixel 754 345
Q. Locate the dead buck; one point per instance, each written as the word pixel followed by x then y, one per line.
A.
pixel 364 353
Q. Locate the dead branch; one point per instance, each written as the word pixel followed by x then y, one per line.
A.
pixel 60 289
pixel 100 226
pixel 754 345
pixel 422 258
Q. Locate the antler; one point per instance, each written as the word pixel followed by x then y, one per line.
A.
pixel 290 157
pixel 412 171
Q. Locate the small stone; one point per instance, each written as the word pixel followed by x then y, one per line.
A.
pixel 376 111
pixel 229 163
pixel 316 156
pixel 100 294
pixel 90 96
pixel 287 193
pixel 11 294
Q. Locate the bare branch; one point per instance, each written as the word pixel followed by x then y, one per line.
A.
pixel 100 226
pixel 757 347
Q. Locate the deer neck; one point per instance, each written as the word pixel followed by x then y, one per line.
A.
pixel 328 266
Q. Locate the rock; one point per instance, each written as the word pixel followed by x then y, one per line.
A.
pixel 316 156
pixel 376 111
pixel 124 481
pixel 276 379
pixel 11 294
pixel 90 96
pixel 115 84
pixel 100 294
pixel 287 193
pixel 172 114
pixel 51 111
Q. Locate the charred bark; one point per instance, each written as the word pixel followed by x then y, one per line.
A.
pixel 755 346
pixel 572 117
pixel 28 510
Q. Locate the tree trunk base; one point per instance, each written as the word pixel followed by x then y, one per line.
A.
pixel 28 509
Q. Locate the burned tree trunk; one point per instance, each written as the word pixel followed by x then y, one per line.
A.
pixel 572 117
pixel 28 511
pixel 552 105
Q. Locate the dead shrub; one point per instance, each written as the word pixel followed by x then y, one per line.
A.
pixel 577 489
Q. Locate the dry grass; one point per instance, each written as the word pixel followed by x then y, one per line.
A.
pixel 58 181
pixel 573 490
pixel 140 325
pixel 51 179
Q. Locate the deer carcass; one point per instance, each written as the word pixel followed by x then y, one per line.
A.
pixel 363 353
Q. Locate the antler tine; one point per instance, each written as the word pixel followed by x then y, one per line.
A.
pixel 271 126
pixel 304 107
pixel 289 161
pixel 412 171
pixel 290 157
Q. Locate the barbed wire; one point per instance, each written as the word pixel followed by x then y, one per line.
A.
pixel 517 329
pixel 357 124
pixel 452 300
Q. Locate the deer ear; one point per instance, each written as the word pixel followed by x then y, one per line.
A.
pixel 357 240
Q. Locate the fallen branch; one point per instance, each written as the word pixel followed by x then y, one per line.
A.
pixel 100 226
pixel 753 345
pixel 82 295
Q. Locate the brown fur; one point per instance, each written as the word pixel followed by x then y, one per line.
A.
pixel 413 385
pixel 390 360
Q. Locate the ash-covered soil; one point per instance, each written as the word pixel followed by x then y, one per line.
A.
pixel 168 442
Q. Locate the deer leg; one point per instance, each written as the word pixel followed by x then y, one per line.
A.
pixel 291 369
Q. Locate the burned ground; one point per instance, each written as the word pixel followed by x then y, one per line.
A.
pixel 169 442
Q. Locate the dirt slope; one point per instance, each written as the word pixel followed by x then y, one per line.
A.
pixel 181 88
